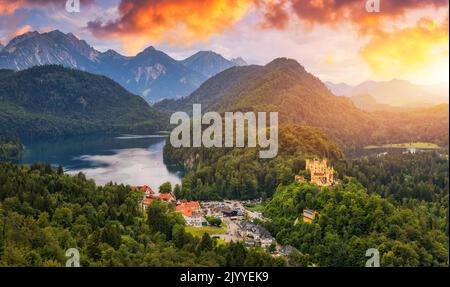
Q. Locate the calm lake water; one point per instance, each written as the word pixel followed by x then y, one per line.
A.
pixel 127 159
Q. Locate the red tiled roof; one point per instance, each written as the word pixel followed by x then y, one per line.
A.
pixel 189 209
pixel 187 212
pixel 166 196
pixel 191 204
pixel 146 188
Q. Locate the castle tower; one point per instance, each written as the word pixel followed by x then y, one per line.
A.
pixel 321 174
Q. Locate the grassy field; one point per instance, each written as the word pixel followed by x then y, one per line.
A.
pixel 255 207
pixel 211 230
pixel 417 145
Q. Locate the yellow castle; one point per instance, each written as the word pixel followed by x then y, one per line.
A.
pixel 321 174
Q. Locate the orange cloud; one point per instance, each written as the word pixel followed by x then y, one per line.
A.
pixel 420 50
pixel 8 7
pixel 173 21
pixel 332 12
pixel 276 15
pixel 187 21
pixel 392 54
pixel 21 31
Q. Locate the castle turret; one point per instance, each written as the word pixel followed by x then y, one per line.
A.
pixel 321 174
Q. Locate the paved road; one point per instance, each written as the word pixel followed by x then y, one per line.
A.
pixel 232 231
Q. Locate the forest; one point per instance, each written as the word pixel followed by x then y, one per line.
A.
pixel 351 220
pixel 397 202
pixel 399 177
pixel 239 173
pixel 52 101
pixel 44 212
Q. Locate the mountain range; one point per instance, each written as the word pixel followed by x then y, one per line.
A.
pixel 284 86
pixel 33 101
pixel 151 73
pixel 209 63
pixel 368 103
pixel 52 101
pixel 395 93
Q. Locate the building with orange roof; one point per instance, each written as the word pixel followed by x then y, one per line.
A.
pixel 167 197
pixel 149 192
pixel 192 204
pixel 192 213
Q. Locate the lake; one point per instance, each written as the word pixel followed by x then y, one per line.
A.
pixel 129 159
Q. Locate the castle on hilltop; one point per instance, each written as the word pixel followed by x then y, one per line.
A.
pixel 321 174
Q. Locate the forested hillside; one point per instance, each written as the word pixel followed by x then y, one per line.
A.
pixel 240 174
pixel 284 86
pixel 417 125
pixel 351 220
pixel 400 177
pixel 44 212
pixel 55 101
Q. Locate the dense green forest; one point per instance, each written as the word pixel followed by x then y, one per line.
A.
pixel 397 203
pixel 51 101
pixel 44 212
pixel 10 148
pixel 239 173
pixel 423 176
pixel 351 221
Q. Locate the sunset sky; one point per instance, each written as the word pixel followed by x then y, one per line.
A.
pixel 337 40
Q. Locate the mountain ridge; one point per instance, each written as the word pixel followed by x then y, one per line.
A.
pixel 152 73
pixel 207 63
pixel 284 86
pixel 395 93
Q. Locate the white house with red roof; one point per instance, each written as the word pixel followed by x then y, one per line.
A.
pixel 192 213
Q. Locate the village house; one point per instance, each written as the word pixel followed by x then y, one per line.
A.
pixel 146 190
pixel 309 215
pixel 215 212
pixel 321 174
pixel 253 233
pixel 213 209
pixel 192 213
pixel 233 213
pixel 167 198
pixel 150 195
